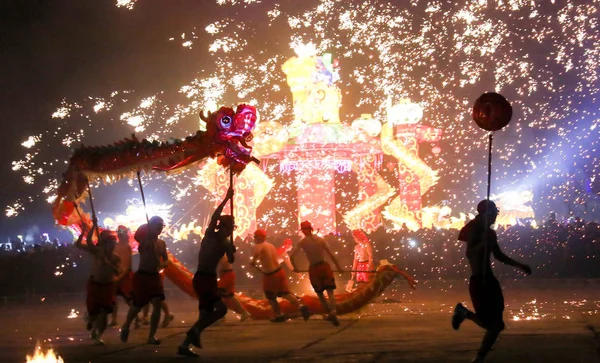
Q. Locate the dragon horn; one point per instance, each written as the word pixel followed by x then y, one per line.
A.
pixel 204 118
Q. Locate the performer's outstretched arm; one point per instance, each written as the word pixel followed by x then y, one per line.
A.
pixel 215 217
pixel 230 252
pixel 332 256
pixel 89 245
pixel 293 253
pixel 502 257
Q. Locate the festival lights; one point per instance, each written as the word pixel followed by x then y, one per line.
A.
pixel 437 55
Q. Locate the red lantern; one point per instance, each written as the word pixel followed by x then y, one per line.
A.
pixel 492 111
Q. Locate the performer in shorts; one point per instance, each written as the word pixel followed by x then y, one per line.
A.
pixel 363 261
pixel 484 288
pixel 101 284
pixel 147 283
pixel 226 287
pixel 215 244
pixel 275 283
pixel 124 287
pixel 164 306
pixel 319 272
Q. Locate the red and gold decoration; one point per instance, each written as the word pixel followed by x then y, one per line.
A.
pixel 346 303
pixel 400 138
pixel 317 145
pixel 226 138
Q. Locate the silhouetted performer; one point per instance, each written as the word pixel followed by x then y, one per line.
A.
pixel 484 288
pixel 215 244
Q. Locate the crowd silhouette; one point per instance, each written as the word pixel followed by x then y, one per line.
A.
pixel 555 250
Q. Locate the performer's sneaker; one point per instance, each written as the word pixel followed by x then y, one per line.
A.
pixel 459 315
pixel 186 352
pixel 153 341
pixel 333 319
pixel 194 338
pixel 94 334
pixel 124 335
pixel 244 317
pixel 167 320
pixel 305 312
pixel 279 319
pixel 99 342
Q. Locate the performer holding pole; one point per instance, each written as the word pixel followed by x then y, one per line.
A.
pixel 147 282
pixel 275 283
pixel 320 273
pixel 214 245
pixel 105 272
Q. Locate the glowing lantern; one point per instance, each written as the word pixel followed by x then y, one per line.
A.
pixel 367 124
pixel 405 113
pixel 436 150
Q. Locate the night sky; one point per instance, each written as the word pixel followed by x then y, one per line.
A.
pixel 542 58
pixel 52 50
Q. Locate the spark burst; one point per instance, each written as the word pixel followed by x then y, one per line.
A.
pixel 543 56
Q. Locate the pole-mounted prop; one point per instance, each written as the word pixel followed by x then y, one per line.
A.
pixel 231 200
pixel 143 197
pixel 491 112
pixel 93 210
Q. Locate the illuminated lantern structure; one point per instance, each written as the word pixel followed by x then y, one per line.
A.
pixel 400 138
pixel 317 145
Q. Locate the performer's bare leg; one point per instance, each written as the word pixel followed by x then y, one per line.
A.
pixel 486 344
pixel 207 318
pixel 490 337
pixel 113 319
pixel 237 306
pixel 100 326
pixel 168 316
pixel 131 315
pixel 154 320
pixel 297 302
pixel 293 299
pixel 323 301
pixel 145 311
pixel 332 306
pixel 91 325
pixel 275 306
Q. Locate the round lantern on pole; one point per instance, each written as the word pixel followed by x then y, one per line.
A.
pixel 491 112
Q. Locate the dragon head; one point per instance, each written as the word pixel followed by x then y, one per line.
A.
pixel 232 130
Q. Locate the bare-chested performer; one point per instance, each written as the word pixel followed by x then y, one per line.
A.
pixel 124 287
pixel 275 283
pixel 101 284
pixel 319 271
pixel 215 244
pixel 363 261
pixel 147 283
pixel 484 288
pixel 226 287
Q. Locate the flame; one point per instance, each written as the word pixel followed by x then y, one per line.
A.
pixel 41 357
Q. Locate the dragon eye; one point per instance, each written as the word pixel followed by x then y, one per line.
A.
pixel 225 122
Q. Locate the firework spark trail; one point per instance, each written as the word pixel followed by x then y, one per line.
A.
pixel 542 55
